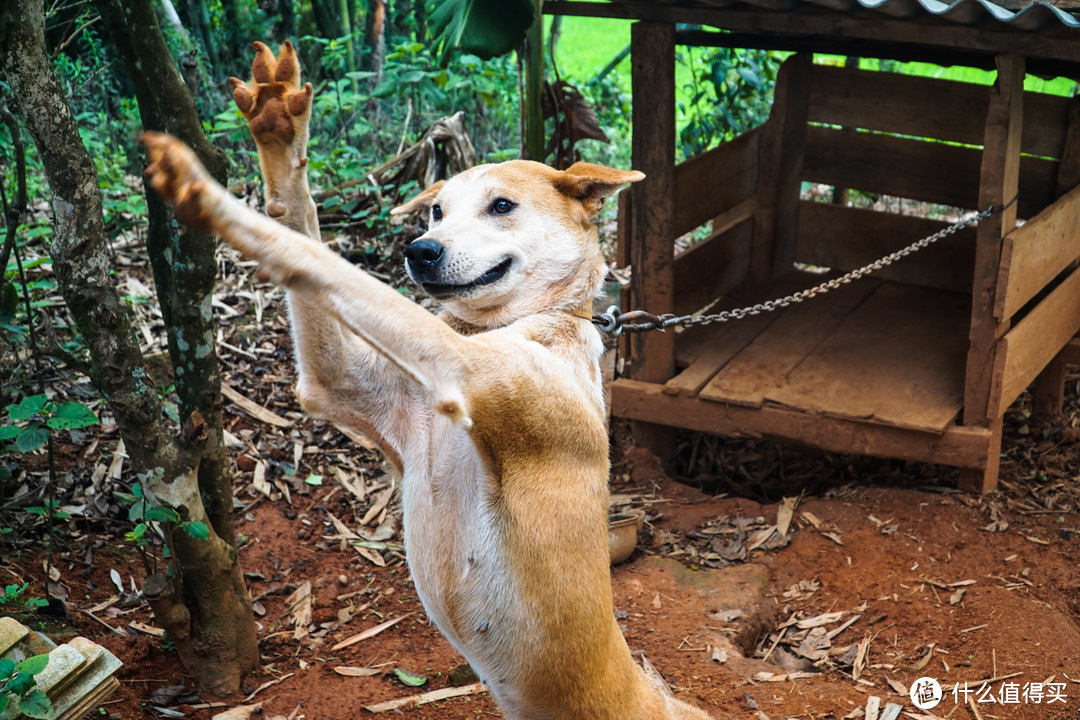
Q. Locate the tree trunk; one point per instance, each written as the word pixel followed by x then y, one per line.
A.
pixel 376 31
pixel 325 14
pixel 202 602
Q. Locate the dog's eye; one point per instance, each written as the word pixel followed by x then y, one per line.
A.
pixel 436 212
pixel 502 206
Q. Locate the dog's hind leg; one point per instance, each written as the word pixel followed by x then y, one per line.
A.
pixel 339 373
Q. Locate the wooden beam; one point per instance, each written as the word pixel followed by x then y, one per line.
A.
pixel 965 447
pixel 783 149
pixel 856 47
pixel 1058 47
pixel 652 51
pixel 999 182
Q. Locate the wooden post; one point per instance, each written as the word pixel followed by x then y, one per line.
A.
pixel 783 152
pixel 652 227
pixel 1049 391
pixel 998 184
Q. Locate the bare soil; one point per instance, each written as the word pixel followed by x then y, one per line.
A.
pixel 889 554
pixel 921 581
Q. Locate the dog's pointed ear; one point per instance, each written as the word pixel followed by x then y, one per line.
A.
pixel 421 202
pixel 590 184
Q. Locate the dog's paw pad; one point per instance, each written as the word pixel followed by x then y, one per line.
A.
pixel 274 104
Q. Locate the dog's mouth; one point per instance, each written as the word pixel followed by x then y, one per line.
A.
pixel 444 290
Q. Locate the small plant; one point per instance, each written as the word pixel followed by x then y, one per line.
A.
pixel 144 514
pixel 13 595
pixel 35 417
pixel 18 685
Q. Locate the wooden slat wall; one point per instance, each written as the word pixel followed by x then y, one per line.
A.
pixel 1034 254
pixel 927 107
pixel 715 181
pixel 915 169
pixel 844 238
pixel 712 267
pixel 1027 348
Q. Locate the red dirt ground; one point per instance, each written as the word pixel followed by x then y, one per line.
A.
pixel 901 548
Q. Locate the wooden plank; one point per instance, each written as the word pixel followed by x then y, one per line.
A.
pixel 715 181
pixel 1000 177
pixel 1036 252
pixel 652 355
pixel 782 158
pixel 1033 343
pixel 846 238
pixel 712 267
pixel 931 172
pixel 710 358
pixel 956 446
pixel 897 359
pixel 764 365
pixel 703 351
pixel 911 105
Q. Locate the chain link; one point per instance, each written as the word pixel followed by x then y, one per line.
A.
pixel 615 322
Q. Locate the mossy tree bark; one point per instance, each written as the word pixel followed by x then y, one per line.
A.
pixel 201 600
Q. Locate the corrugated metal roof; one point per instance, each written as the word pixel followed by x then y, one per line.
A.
pixel 1036 16
pixel 1027 17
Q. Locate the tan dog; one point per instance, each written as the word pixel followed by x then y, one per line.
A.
pixel 493 415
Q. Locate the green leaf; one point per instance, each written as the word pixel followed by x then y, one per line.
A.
pixel 36 704
pixel 196 529
pixel 3 702
pixel 7 667
pixel 162 514
pixel 33 665
pixel 7 432
pixel 71 415
pixel 31 438
pixel 409 678
pixel 485 28
pixel 27 408
pixel 313 479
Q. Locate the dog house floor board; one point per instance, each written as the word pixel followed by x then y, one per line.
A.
pixel 881 352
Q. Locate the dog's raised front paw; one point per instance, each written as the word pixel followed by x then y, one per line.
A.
pixel 177 176
pixel 276 107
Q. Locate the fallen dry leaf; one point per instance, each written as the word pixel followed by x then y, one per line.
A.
pixel 428 697
pixel 240 712
pixel 370 632
pixel 356 671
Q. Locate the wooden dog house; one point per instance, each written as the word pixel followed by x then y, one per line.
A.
pixel 921 360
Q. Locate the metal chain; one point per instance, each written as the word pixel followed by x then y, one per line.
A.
pixel 615 322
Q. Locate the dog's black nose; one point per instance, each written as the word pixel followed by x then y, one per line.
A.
pixel 423 255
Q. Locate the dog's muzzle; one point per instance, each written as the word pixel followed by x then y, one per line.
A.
pixel 426 262
pixel 423 257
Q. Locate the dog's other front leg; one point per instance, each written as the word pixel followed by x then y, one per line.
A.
pixel 342 378
pixel 425 350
